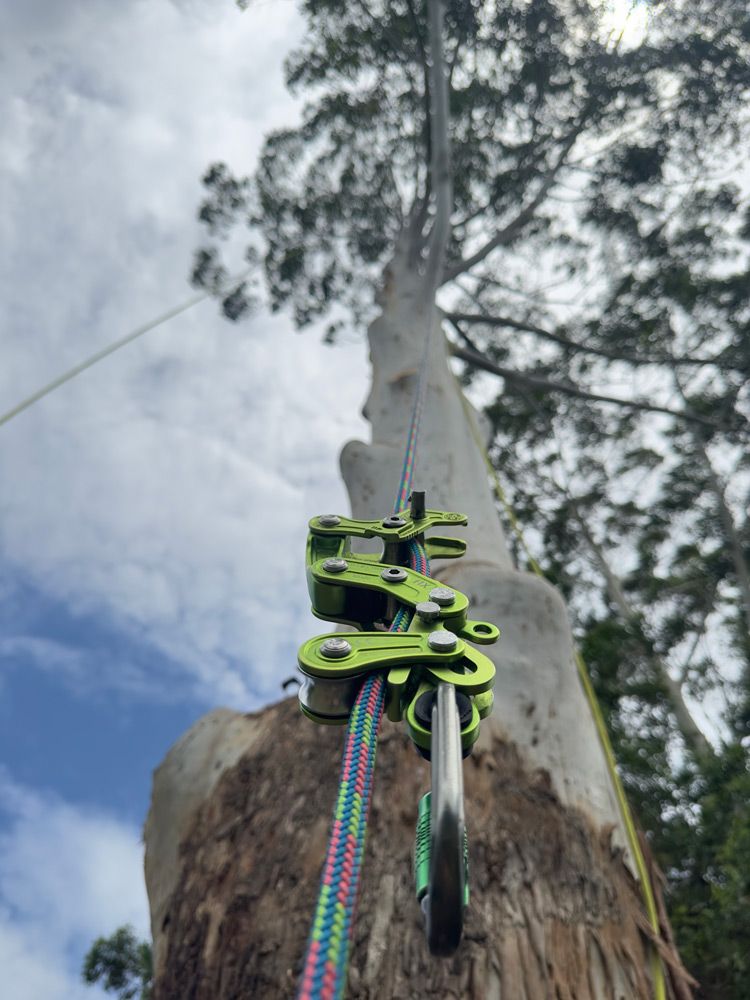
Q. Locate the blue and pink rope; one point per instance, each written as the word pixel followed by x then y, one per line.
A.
pixel 324 973
pixel 327 958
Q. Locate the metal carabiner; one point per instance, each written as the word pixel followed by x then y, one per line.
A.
pixel 447 887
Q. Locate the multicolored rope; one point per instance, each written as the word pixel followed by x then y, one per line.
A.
pixel 327 958
pixel 324 974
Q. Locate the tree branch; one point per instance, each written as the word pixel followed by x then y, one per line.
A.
pixel 726 518
pixel 425 78
pixel 687 725
pixel 558 338
pixel 548 385
pixel 741 568
pixel 440 166
pixel 731 534
pixel 699 632
pixel 509 232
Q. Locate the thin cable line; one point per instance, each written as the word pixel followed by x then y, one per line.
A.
pixel 649 900
pixel 71 373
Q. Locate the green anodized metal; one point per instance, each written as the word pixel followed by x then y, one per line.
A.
pixel 410 528
pixel 362 591
pixel 339 597
pixel 422 736
pixel 466 668
pixel 422 848
pixel 423 852
pixel 365 591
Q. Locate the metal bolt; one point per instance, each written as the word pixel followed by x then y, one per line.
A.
pixel 329 520
pixel 335 649
pixel 442 642
pixel 393 521
pixel 443 596
pixel 393 574
pixel 428 611
pixel 335 565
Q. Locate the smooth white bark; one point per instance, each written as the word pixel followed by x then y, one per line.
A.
pixel 539 703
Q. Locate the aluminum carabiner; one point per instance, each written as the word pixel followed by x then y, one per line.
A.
pixel 445 862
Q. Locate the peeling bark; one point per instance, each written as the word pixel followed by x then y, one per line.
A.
pixel 554 911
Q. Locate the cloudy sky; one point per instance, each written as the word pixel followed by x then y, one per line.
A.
pixel 152 512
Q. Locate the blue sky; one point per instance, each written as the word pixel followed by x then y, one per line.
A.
pixel 153 512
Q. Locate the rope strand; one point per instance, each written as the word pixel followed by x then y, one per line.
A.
pixel 327 958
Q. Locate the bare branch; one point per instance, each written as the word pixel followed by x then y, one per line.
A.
pixel 558 338
pixel 425 80
pixel 687 725
pixel 709 599
pixel 509 232
pixel 568 389
pixel 741 568
pixel 726 518
pixel 440 167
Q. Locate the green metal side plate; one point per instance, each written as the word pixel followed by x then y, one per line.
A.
pixel 376 529
pixel 365 591
pixel 467 668
pixel 339 596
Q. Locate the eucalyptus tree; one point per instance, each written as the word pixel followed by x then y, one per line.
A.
pixel 654 519
pixel 483 168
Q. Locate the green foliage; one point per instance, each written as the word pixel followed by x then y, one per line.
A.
pixel 710 885
pixel 122 964
pixel 670 553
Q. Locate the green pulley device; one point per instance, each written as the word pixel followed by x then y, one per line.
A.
pixel 436 681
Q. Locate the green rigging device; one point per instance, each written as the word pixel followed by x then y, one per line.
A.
pixel 438 683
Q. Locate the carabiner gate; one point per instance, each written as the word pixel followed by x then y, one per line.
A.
pixel 441 859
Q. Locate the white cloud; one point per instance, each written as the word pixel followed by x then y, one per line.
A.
pixel 46 653
pixel 28 974
pixel 169 488
pixel 67 876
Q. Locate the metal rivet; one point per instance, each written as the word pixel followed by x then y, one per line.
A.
pixel 335 565
pixel 393 574
pixel 428 611
pixel 329 520
pixel 442 642
pixel 334 649
pixel 393 521
pixel 442 596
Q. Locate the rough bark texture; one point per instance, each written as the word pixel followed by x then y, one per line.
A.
pixel 235 837
pixel 554 911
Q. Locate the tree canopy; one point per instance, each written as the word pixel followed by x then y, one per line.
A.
pixel 122 964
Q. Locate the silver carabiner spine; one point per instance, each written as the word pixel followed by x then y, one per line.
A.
pixel 445 900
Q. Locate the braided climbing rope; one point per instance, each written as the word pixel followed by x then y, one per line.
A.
pixel 327 958
pixel 326 962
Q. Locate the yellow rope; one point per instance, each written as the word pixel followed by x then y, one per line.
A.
pixel 657 971
pixel 110 349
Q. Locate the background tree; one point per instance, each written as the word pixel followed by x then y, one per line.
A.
pixel 569 197
pixel 122 964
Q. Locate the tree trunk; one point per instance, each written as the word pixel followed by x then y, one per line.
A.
pixel 241 806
